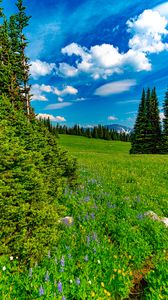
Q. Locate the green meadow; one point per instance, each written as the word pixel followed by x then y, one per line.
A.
pixel 110 249
pixel 124 175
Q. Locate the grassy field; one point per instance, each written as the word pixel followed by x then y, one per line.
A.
pixel 110 249
pixel 124 175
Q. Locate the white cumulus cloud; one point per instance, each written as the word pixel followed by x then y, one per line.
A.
pixel 112 118
pixel 101 61
pixel 51 117
pixel 148 29
pixel 38 91
pixel 67 70
pixel 162 9
pixel 116 87
pixel 68 90
pixel 40 68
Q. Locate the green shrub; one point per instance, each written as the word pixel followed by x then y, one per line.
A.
pixel 33 174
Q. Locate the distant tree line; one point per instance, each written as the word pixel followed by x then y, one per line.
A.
pixel 96 132
pixel 149 136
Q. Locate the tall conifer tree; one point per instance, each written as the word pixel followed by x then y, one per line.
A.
pixel 138 140
pixel 154 119
pixel 20 22
pixel 165 124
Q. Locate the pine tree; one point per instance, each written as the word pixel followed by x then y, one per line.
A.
pixel 138 140
pixel 155 126
pixel 165 125
pixel 5 65
pixel 19 23
pixel 147 129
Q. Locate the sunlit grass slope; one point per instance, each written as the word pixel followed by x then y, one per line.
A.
pixel 125 175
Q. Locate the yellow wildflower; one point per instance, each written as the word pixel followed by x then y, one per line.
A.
pixel 102 284
pixel 92 294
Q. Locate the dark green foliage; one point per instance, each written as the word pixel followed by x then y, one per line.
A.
pixel 140 127
pixel 165 125
pixel 147 130
pixel 14 64
pixel 33 174
pixel 34 171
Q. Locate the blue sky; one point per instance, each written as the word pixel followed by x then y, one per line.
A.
pixel 90 59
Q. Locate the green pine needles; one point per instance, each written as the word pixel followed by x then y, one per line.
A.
pixel 34 171
pixel 148 136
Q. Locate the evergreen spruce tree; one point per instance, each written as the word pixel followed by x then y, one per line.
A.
pixel 138 140
pixel 164 147
pixel 19 22
pixel 155 126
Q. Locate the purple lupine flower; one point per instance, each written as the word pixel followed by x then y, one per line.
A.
pixel 109 204
pixel 41 291
pixel 88 239
pixel 86 258
pixel 138 199
pixel 94 236
pixel 47 277
pixel 62 270
pixel 140 216
pixel 60 287
pixel 93 216
pixel 77 281
pixel 63 298
pixel 87 199
pixel 30 272
pixel 62 262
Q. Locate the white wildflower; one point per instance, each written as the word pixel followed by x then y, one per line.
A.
pixel 4 268
pixel 11 257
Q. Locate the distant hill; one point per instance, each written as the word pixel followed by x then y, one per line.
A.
pixel 119 128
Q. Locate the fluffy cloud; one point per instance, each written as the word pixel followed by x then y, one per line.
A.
pixel 101 61
pixel 67 70
pixel 112 118
pixel 40 68
pixel 116 87
pixel 38 91
pixel 60 99
pixel 162 116
pixel 136 60
pixel 51 117
pixel 58 105
pixel 162 9
pixel 68 90
pixel 37 97
pixel 148 30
